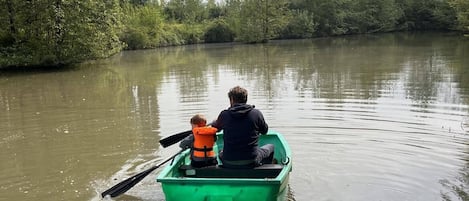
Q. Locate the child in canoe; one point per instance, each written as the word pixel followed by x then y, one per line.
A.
pixel 201 142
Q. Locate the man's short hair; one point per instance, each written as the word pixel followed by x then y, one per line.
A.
pixel 238 95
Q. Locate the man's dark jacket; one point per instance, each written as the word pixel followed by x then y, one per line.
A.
pixel 241 125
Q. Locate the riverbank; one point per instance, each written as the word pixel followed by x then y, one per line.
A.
pixel 74 66
pixel 55 34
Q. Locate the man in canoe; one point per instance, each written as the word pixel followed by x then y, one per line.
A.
pixel 201 142
pixel 242 124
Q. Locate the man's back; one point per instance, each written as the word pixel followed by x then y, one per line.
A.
pixel 241 125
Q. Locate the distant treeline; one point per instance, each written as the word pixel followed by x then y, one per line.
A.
pixel 61 32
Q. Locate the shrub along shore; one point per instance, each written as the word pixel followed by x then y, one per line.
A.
pixel 62 32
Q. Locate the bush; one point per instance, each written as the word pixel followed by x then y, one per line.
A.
pixel 142 25
pixel 301 25
pixel 180 34
pixel 219 32
pixel 192 34
pixel 135 39
pixel 6 40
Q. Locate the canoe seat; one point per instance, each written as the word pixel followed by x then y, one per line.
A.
pixel 264 171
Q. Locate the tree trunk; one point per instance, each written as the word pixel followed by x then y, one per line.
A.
pixel 11 17
pixel 58 32
pixel 266 23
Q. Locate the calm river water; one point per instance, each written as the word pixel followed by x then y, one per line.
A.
pixel 373 117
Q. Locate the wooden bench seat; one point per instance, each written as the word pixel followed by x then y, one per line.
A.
pixel 264 171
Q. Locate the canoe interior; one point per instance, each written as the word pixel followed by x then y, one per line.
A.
pixel 281 154
pixel 215 183
pixel 264 171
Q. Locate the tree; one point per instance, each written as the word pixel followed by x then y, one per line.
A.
pixel 219 31
pixel 142 26
pixel 214 10
pixel 58 32
pixel 301 25
pixel 462 13
pixel 262 19
pixel 370 16
pixel 86 29
pixel 427 15
pixel 233 15
pixel 329 15
pixel 189 11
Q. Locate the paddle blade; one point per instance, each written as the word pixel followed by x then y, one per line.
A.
pixel 173 139
pixel 127 184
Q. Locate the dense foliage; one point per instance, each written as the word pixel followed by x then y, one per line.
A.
pixel 58 32
pixel 55 32
pixel 462 12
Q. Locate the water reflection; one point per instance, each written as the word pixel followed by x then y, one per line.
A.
pixel 459 188
pixel 372 117
pixel 393 84
pixel 59 128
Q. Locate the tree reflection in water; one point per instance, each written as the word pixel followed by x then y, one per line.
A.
pixel 460 190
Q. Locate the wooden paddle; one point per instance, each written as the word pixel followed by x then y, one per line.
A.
pixel 127 184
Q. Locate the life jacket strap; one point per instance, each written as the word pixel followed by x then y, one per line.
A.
pixel 205 149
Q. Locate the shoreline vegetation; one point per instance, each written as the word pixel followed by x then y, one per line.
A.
pixel 58 33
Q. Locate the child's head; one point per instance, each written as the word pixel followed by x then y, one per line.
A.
pixel 198 120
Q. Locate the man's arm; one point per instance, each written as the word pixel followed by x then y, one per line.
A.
pixel 262 125
pixel 217 123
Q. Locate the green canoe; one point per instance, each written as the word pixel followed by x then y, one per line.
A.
pixel 265 183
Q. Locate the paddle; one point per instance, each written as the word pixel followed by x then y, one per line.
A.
pixel 127 184
pixel 173 139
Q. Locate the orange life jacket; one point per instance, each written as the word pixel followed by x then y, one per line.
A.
pixel 204 138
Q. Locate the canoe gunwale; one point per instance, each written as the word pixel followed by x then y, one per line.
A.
pixel 181 159
pixel 177 187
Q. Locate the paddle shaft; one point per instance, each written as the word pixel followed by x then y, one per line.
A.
pixel 127 184
pixel 173 139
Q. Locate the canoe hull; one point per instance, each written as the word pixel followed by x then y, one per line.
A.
pixel 177 187
pixel 223 191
